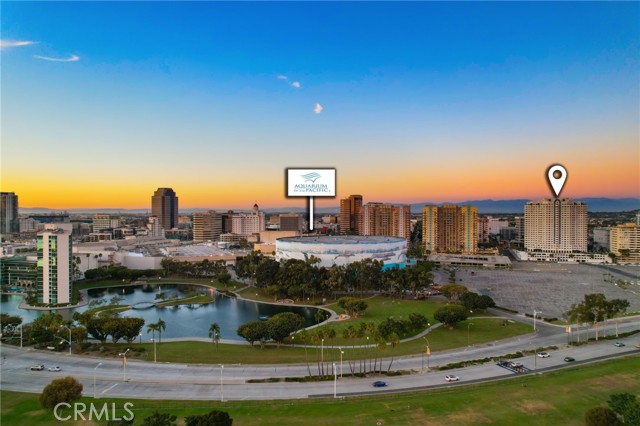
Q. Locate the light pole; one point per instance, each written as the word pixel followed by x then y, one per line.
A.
pixel 341 353
pixel 63 339
pixel 221 382
pixel 21 335
pixel 321 351
pixel 140 335
pixel 469 334
pixel 124 364
pixel 335 381
pixel 535 316
pixel 153 339
pixel 427 350
pixel 94 379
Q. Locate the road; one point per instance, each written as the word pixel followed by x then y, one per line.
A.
pixel 203 382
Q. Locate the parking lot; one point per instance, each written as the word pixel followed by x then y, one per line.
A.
pixel 549 287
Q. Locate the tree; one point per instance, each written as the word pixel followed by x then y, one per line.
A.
pixel 595 308
pixel 253 331
pixel 214 333
pixel 453 292
pixel 157 419
pixel 601 416
pixel 43 327
pixel 626 406
pixel 352 306
pixel 450 315
pixel 280 326
pixel 212 418
pixel 161 327
pixel 8 323
pixel 66 389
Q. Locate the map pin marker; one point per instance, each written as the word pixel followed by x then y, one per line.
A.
pixel 557 182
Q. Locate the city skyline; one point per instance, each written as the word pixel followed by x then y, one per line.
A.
pixel 410 102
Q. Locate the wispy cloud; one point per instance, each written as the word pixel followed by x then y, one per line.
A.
pixel 318 109
pixel 72 58
pixel 15 43
pixel 282 77
pixel 295 84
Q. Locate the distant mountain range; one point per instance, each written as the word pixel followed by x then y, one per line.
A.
pixel 484 206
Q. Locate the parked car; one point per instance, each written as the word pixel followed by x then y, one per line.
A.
pixel 379 384
pixel 451 378
pixel 55 369
pixel 618 344
pixel 515 364
pixel 37 367
pixel 569 359
pixel 543 355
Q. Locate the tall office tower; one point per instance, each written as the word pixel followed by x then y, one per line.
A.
pixel 154 227
pixel 291 222
pixel 430 228
pixel 625 242
pixel 385 220
pixel 207 226
pixel 104 221
pixel 350 214
pixel 247 224
pixel 450 228
pixel 55 268
pixel 9 221
pixel 164 205
pixel 555 226
pixel 227 221
pixel 519 229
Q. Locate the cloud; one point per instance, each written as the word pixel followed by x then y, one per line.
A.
pixel 72 58
pixel 282 77
pixel 295 84
pixel 15 43
pixel 318 109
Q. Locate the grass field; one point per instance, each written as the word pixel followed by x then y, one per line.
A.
pixel 551 399
pixel 186 301
pixel 110 308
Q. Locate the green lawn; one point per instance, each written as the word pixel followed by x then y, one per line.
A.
pixel 112 308
pixel 186 301
pixel 482 331
pixel 551 399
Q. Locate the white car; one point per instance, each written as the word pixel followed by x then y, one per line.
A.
pixel 451 378
pixel 543 355
pixel 55 369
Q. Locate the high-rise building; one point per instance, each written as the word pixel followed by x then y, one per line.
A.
pixel 164 205
pixel 291 222
pixel 488 225
pixel 247 224
pixel 227 221
pixel 519 220
pixel 104 221
pixel 9 221
pixel 350 214
pixel 154 227
pixel 555 226
pixel 55 268
pixel 388 220
pixel 450 228
pixel 625 242
pixel 207 226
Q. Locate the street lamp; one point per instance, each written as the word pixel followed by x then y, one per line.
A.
pixel 341 353
pixel 64 340
pixel 427 350
pixel 94 379
pixel 221 382
pixel 468 334
pixel 535 316
pixel 322 351
pixel 124 364
pixel 335 381
pixel 140 335
pixel 153 339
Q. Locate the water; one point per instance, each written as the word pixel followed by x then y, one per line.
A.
pixel 181 321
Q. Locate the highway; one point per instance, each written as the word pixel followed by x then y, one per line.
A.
pixel 147 380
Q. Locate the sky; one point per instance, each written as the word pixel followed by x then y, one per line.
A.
pixel 103 102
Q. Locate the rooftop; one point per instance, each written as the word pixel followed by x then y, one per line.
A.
pixel 342 239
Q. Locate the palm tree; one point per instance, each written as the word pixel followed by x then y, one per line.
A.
pixel 214 333
pixel 153 327
pixel 161 327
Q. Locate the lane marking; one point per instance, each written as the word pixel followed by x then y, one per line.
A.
pixel 110 387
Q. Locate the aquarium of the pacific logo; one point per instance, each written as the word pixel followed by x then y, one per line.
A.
pixel 311 182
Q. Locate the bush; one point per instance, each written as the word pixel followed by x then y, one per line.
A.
pixel 601 416
pixel 212 418
pixel 66 389
pixel 451 314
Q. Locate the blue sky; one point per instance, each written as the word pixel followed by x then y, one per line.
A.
pixel 420 101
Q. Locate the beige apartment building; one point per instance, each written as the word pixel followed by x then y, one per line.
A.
pixel 450 228
pixel 349 214
pixel 624 241
pixel 207 226
pixel 555 226
pixel 377 219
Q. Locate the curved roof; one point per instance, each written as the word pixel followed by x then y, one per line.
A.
pixel 341 239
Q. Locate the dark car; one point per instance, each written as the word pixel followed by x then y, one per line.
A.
pixel 618 344
pixel 379 384
pixel 37 367
pixel 569 359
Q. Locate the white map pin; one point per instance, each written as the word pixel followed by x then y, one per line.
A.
pixel 557 182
